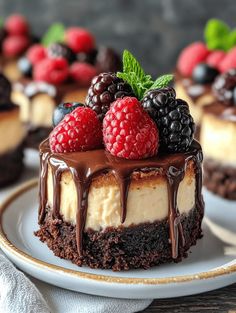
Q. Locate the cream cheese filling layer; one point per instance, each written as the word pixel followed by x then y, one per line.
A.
pixel 147 202
pixel 218 139
pixel 12 132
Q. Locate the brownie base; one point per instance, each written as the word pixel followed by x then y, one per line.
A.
pixel 11 166
pixel 220 179
pixel 36 136
pixel 141 246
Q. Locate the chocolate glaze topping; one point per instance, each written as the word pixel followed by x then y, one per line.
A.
pixel 85 166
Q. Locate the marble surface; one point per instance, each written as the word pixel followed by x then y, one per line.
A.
pixel 154 30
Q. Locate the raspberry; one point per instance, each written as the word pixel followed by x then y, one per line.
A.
pixel 128 131
pixel 224 87
pixel 172 117
pixel 36 53
pixel 229 61
pixel 192 55
pixel 16 25
pixel 79 39
pixel 80 130
pixel 83 73
pixel 105 89
pixel 60 50
pixel 14 45
pixel 215 58
pixel 54 71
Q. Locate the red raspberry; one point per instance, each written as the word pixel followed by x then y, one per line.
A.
pixel 83 73
pixel 14 45
pixel 79 40
pixel 16 25
pixel 36 53
pixel 128 131
pixel 229 61
pixel 80 130
pixel 215 58
pixel 190 57
pixel 54 71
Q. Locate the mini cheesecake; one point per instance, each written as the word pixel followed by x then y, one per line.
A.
pixel 39 92
pixel 12 134
pixel 106 212
pixel 37 102
pixel 218 138
pixel 121 179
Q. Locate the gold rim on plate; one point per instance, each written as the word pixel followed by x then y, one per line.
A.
pixel 4 241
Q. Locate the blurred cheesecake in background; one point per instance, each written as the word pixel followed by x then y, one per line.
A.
pixel 15 39
pixel 12 135
pixel 199 64
pixel 60 69
pixel 218 137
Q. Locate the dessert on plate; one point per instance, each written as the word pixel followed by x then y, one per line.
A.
pixel 199 64
pixel 59 69
pixel 12 134
pixel 15 38
pixel 218 136
pixel 121 179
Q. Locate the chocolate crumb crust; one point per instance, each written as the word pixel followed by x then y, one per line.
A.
pixel 11 166
pixel 122 248
pixel 220 179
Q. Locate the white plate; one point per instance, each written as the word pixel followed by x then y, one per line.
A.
pixel 211 264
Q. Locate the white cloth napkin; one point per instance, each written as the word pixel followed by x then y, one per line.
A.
pixel 18 294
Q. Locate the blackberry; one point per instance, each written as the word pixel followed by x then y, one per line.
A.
pixel 63 109
pixel 105 89
pixel 224 87
pixel 174 122
pixel 56 50
pixel 108 60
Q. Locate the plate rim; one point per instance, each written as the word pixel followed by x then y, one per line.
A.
pixel 12 249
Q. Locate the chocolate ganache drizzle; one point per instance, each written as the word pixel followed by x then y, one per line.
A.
pixel 85 166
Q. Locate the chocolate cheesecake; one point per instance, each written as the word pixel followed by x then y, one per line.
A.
pixel 218 138
pixel 12 134
pixel 121 179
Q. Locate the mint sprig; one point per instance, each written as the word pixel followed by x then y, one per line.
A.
pixel 219 36
pixel 135 76
pixel 55 33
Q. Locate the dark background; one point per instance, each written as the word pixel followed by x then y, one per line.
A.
pixel 154 30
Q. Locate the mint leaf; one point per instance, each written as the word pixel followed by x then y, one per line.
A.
pixel 55 33
pixel 131 65
pixel 162 81
pixel 216 34
pixel 134 75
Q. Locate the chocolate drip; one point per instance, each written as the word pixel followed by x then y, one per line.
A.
pixel 85 166
pixel 174 177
